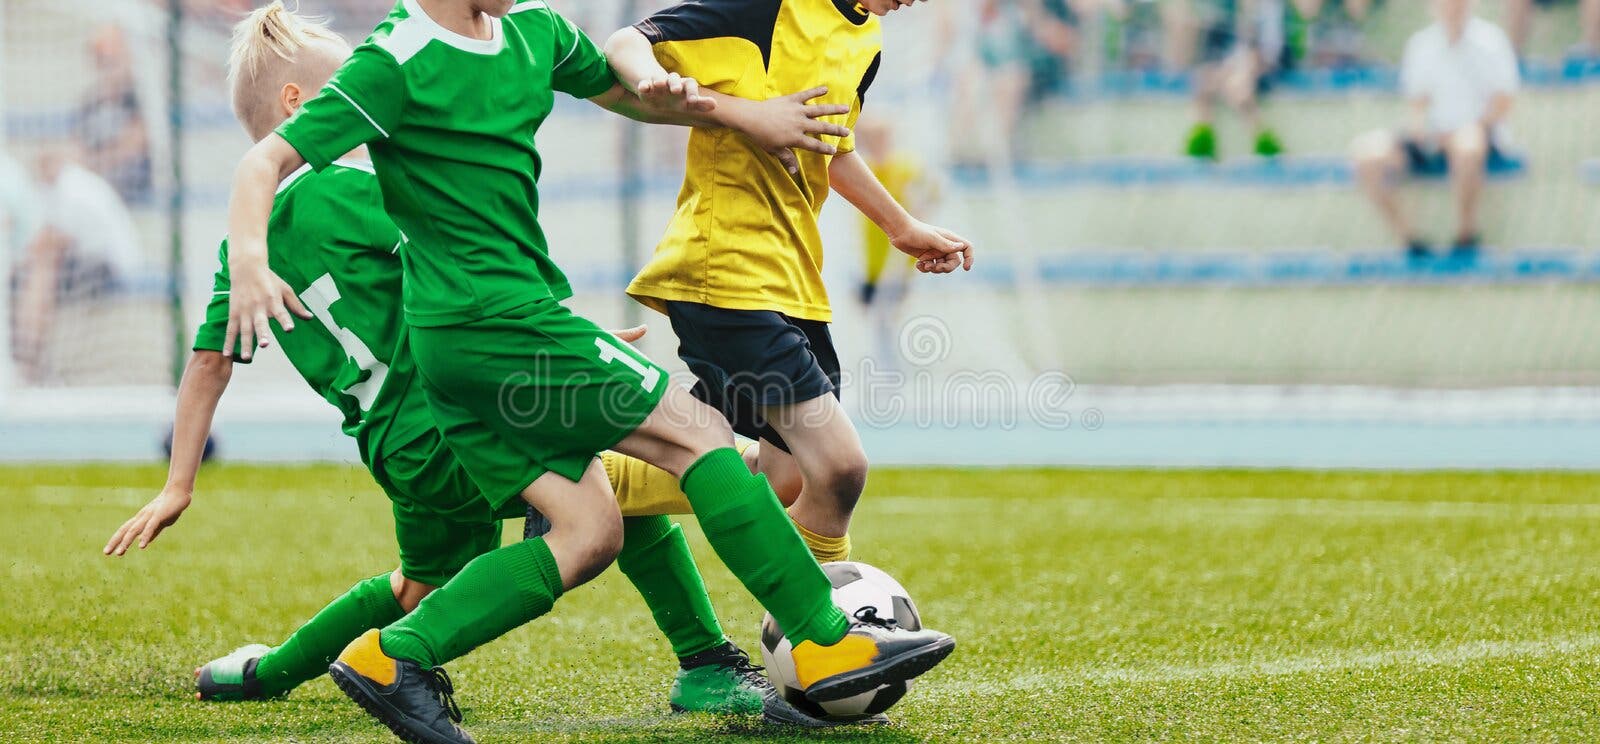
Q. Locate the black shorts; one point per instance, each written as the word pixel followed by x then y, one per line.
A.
pixel 1429 162
pixel 744 360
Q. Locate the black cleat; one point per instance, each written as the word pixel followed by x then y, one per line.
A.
pixel 874 652
pixel 415 703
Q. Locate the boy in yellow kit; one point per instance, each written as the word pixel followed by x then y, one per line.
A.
pixel 739 272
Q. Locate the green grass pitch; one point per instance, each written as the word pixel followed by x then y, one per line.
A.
pixel 1090 605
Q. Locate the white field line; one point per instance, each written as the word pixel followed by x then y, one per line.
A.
pixel 1349 508
pixel 1459 655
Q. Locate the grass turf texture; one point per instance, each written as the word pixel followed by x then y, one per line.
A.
pixel 1090 605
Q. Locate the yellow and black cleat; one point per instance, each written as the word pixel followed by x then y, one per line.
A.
pixel 874 652
pixel 415 703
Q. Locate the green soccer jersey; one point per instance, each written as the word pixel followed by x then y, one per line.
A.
pixel 330 239
pixel 450 121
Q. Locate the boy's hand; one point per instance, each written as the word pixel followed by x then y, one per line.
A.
pixel 673 93
pixel 937 250
pixel 782 125
pixel 631 335
pixel 159 514
pixel 257 295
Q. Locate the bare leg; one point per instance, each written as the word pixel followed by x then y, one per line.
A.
pixel 781 469
pixel 1519 23
pixel 585 527
pixel 680 431
pixel 1239 75
pixel 1467 151
pixel 1178 25
pixel 1378 158
pixel 1589 18
pixel 36 301
pixel 832 463
pixel 407 592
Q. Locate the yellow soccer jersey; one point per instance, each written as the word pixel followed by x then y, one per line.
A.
pixel 745 233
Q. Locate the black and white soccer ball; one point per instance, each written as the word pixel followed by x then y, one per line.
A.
pixel 855 585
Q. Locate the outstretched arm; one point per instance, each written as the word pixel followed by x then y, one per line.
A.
pixel 258 294
pixel 204 380
pixel 937 250
pixel 649 93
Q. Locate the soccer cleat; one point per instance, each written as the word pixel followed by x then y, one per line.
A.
pixel 1202 143
pixel 1267 144
pixel 721 680
pixel 415 703
pixel 232 677
pixel 874 652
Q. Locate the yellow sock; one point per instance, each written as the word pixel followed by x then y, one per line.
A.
pixel 644 490
pixel 826 549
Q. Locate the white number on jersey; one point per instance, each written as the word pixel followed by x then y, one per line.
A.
pixel 610 352
pixel 319 299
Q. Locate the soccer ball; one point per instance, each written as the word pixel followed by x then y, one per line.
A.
pixel 855 585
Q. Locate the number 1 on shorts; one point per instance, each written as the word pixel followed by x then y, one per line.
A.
pixel 610 352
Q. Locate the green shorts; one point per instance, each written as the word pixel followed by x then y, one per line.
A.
pixel 536 390
pixel 441 520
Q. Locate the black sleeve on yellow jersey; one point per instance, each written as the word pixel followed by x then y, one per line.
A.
pixel 866 80
pixel 692 20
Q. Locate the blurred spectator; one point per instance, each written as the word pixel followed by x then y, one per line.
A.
pixel 1519 25
pixel 1138 36
pixel 86 246
pixel 1003 39
pixel 886 271
pixel 19 212
pixel 1053 41
pixel 1240 43
pixel 1332 31
pixel 111 126
pixel 1459 75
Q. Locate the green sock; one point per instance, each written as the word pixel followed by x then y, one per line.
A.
pixel 656 558
pixel 307 654
pixel 752 534
pixel 495 593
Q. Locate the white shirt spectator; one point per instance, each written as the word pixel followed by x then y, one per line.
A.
pixel 84 207
pixel 1460 79
pixel 19 215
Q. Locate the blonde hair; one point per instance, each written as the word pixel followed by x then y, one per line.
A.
pixel 268 52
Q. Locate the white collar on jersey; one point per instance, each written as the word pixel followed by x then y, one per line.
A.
pixel 492 45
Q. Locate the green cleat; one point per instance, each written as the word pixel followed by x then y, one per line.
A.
pixel 1268 145
pixel 721 680
pixel 232 677
pixel 1202 142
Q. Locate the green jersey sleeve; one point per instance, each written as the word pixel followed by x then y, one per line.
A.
pixel 214 329
pixel 362 103
pixel 581 70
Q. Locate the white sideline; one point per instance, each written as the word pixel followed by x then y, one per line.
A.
pixel 1458 655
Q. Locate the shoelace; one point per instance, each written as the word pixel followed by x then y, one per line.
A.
pixel 444 691
pixel 740 664
pixel 869 616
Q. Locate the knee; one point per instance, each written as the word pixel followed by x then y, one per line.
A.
pixel 592 544
pixel 407 592
pixel 708 431
pixel 844 480
pixel 1467 145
